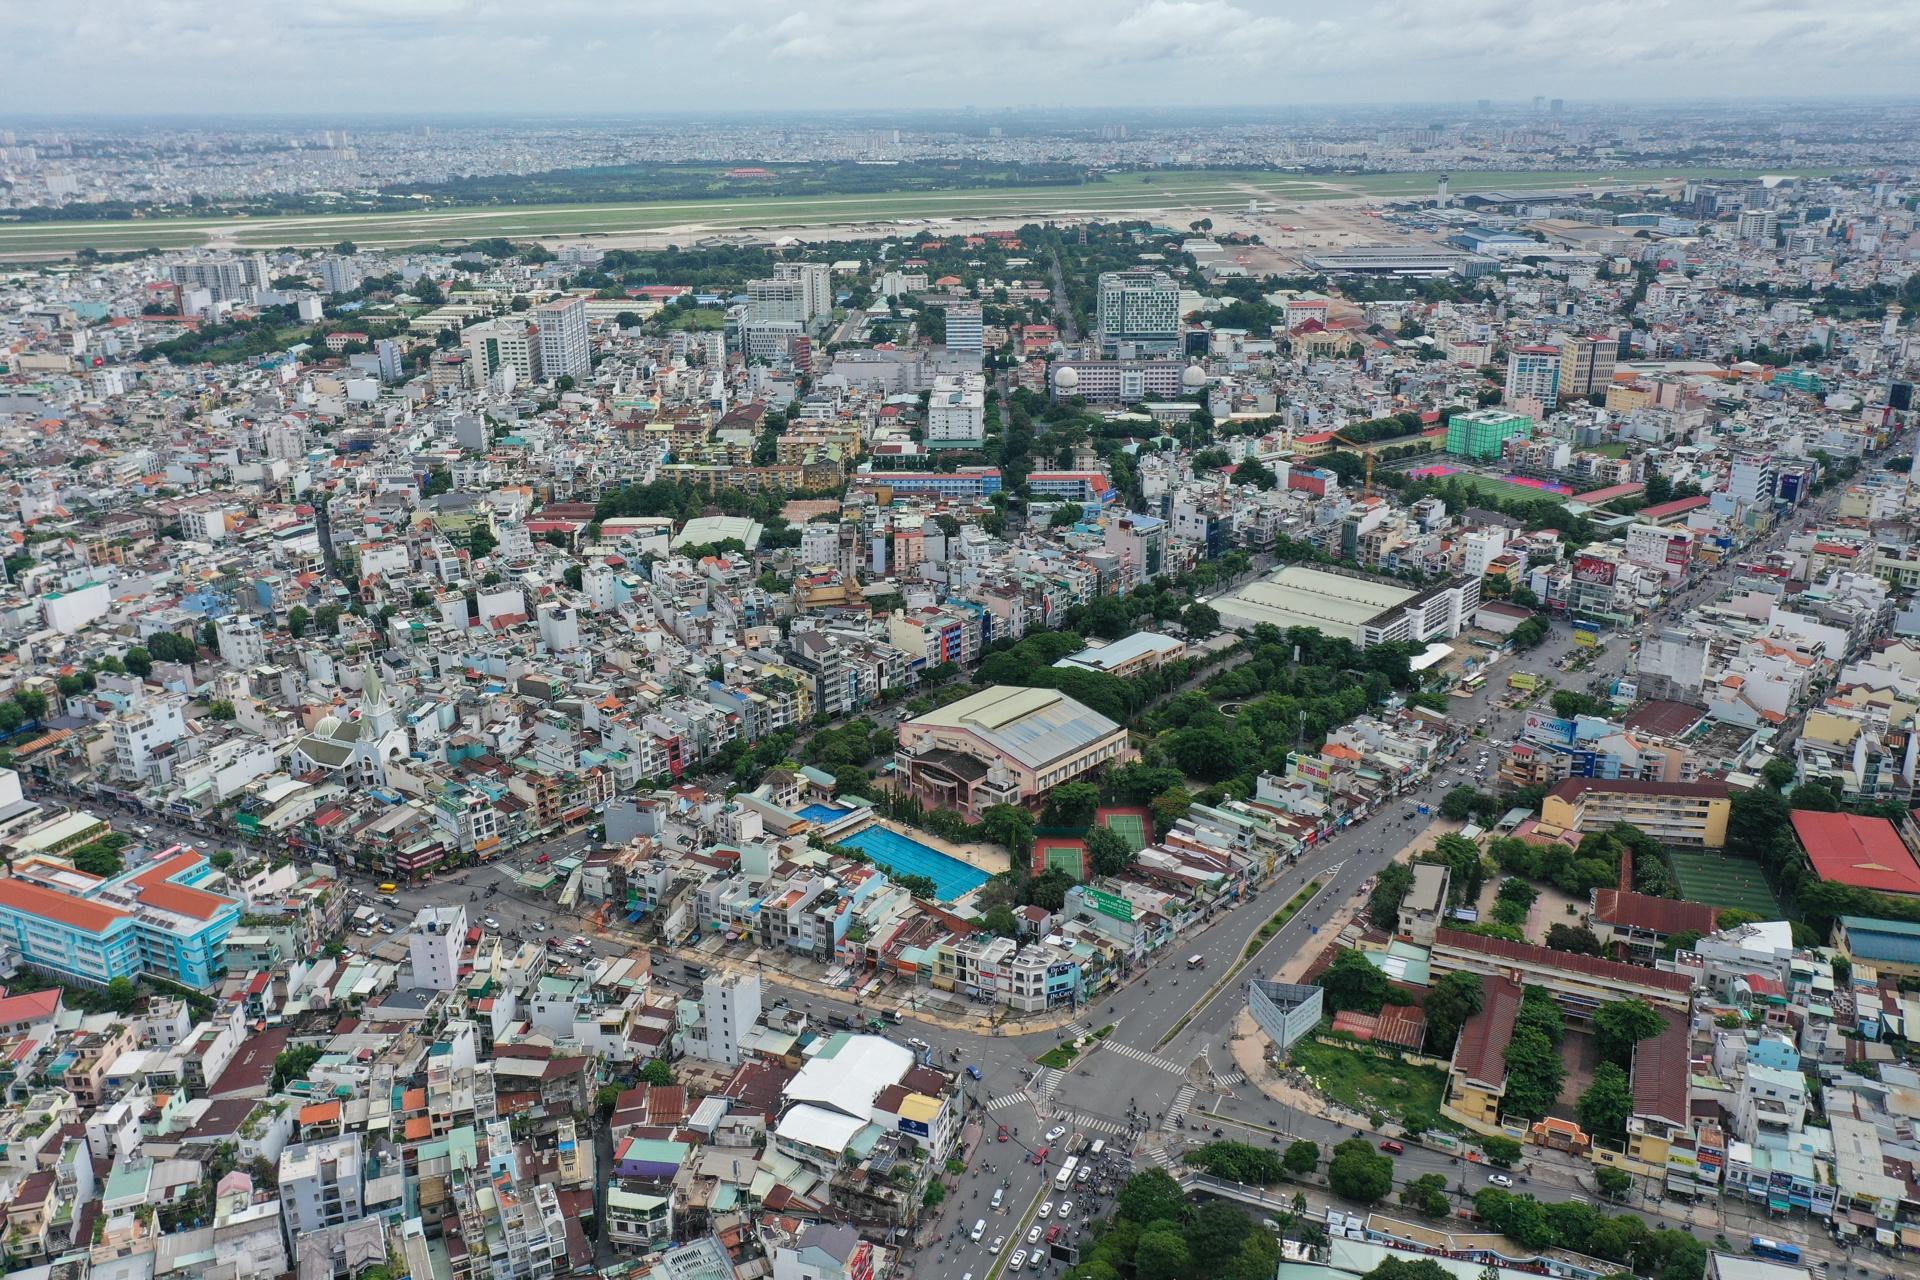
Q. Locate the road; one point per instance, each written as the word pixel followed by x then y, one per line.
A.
pixel 1151 1074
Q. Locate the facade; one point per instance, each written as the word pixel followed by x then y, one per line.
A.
pixel 1693 814
pixel 1004 745
pixel 1586 365
pixel 956 412
pixel 434 941
pixel 1115 381
pixel 149 919
pixel 1140 310
pixel 1533 376
pixel 564 347
pixel 965 331
pixel 1482 434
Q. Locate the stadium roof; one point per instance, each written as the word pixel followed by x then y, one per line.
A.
pixel 1866 853
pixel 1033 726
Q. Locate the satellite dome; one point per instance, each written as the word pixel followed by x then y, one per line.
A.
pixel 1067 378
pixel 1193 376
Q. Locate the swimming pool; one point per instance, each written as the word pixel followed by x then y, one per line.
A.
pixel 824 814
pixel 900 855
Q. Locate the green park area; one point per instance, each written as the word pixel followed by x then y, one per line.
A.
pixel 1723 881
pixel 1363 1080
pixel 1109 194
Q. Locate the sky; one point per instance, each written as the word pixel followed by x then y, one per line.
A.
pixel 518 57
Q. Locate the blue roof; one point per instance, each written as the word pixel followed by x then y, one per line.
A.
pixel 1895 941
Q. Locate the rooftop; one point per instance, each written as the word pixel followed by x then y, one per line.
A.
pixel 1866 853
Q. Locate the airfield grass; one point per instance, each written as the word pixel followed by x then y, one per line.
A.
pixel 1119 193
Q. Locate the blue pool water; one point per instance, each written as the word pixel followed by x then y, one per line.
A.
pixel 824 813
pixel 896 853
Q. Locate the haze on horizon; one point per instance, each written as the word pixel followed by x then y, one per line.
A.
pixel 636 56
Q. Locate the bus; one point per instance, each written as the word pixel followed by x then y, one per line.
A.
pixel 1774 1250
pixel 389 887
pixel 1064 1179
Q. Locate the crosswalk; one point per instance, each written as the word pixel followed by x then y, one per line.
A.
pixel 1018 1098
pixel 1177 1110
pixel 1231 1079
pixel 1090 1124
pixel 1078 1029
pixel 1164 1158
pixel 1046 1082
pixel 1141 1055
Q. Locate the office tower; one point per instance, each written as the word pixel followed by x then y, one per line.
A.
pixel 776 301
pixel 338 275
pixel 1533 373
pixel 816 281
pixel 964 329
pixel 1759 226
pixel 1586 364
pixel 564 350
pixel 1539 101
pixel 390 357
pixel 502 344
pixel 1556 106
pixel 1140 309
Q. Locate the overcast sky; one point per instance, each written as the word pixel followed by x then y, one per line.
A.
pixel 519 57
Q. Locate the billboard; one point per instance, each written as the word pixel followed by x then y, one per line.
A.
pixel 1110 904
pixel 1790 486
pixel 1588 638
pixel 1541 725
pixel 1523 680
pixel 1593 569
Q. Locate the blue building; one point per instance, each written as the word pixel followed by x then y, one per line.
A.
pixel 151 919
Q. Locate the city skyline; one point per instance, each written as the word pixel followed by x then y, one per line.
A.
pixel 442 56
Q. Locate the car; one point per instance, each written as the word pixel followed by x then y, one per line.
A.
pixel 1040 1156
pixel 1018 1260
pixel 979 1229
pixel 543 860
pixel 1033 1236
pixel 1054 1134
pixel 1393 1148
pixel 999 1196
pixel 1002 1135
pixel 999 1242
pixel 1054 1232
pixel 1066 1208
pixel 1500 1179
pixel 973 1073
pixel 915 1042
pixel 1046 1209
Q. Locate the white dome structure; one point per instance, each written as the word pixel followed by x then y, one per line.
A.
pixel 1067 378
pixel 1193 377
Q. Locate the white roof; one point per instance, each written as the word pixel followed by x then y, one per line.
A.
pixel 818 1127
pixel 849 1074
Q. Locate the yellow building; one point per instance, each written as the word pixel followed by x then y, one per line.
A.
pixel 1477 1075
pixel 1693 814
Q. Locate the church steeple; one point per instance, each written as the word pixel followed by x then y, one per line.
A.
pixel 375 710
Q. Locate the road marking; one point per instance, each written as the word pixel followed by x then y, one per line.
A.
pixel 1181 1101
pixel 1074 1120
pixel 1019 1097
pixel 1141 1055
pixel 1232 1078
pixel 1078 1029
pixel 1046 1081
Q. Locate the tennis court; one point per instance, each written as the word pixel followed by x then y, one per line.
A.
pixel 1721 881
pixel 1069 853
pixel 1130 824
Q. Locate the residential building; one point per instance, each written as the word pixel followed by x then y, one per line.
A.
pixel 565 350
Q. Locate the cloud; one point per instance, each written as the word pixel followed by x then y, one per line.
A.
pixel 637 56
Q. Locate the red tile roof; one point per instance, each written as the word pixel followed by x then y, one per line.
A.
pixel 156 891
pixel 1481 1052
pixel 76 912
pixel 1565 961
pixel 1866 853
pixel 1655 915
pixel 1661 510
pixel 1574 788
pixel 1660 1071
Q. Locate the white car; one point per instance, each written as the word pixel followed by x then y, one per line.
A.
pixel 1018 1260
pixel 995 1247
pixel 1054 1134
pixel 1066 1208
pixel 1499 1179
pixel 491 923
pixel 915 1042
pixel 1033 1236
pixel 1046 1209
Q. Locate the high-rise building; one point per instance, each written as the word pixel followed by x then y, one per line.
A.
pixel 956 411
pixel 777 302
pixel 227 278
pixel 964 329
pixel 1586 364
pixel 1480 434
pixel 1139 309
pixel 434 940
pixel 1533 373
pixel 564 350
pixel 502 344
pixel 816 285
pixel 1759 226
pixel 1556 106
pixel 338 274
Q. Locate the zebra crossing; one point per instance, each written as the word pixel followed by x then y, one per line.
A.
pixel 1231 1079
pixel 1090 1124
pixel 1078 1029
pixel 1018 1098
pixel 1177 1110
pixel 1046 1081
pixel 1165 1159
pixel 1141 1055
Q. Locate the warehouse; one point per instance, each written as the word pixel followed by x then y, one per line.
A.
pixel 1367 611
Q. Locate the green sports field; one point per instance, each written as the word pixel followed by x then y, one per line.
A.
pixel 1721 881
pixel 1170 189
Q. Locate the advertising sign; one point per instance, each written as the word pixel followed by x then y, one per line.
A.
pixel 1678 549
pixel 1523 680
pixel 1539 725
pixel 1109 904
pixel 1587 638
pixel 1593 569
